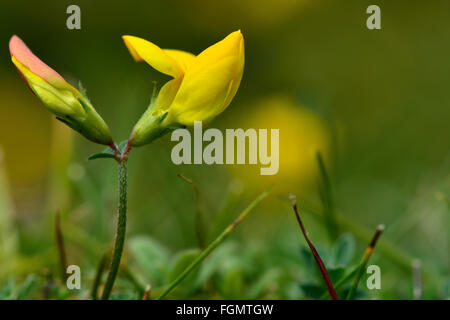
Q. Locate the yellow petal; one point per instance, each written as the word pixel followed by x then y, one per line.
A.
pixel 230 45
pixel 183 58
pixel 237 78
pixel 166 95
pixel 143 50
pixel 210 82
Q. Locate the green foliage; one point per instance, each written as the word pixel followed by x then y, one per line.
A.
pixel 124 295
pixel 26 287
pixel 21 291
pixel 6 291
pixel 343 250
pixel 180 262
pixel 108 152
pixel 152 259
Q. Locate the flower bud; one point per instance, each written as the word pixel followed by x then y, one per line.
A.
pixel 62 99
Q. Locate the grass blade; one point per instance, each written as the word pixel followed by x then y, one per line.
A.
pixel 365 259
pixel 98 276
pixel 200 225
pixel 326 196
pixel 26 287
pixel 353 273
pixel 214 244
pixel 417 279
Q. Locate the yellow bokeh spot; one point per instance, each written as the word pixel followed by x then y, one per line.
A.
pixel 302 134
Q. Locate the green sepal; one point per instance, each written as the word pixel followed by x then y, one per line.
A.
pixel 108 152
pixel 149 128
pixel 83 91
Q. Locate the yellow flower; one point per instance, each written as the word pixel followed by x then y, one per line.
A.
pixel 62 99
pixel 202 86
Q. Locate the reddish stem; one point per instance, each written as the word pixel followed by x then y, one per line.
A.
pixel 114 148
pixel 320 264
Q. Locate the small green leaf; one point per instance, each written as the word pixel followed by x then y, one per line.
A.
pixel 122 145
pixel 307 258
pixel 344 250
pixel 26 287
pixel 216 260
pixel 268 280
pixel 151 258
pixel 124 295
pixel 336 274
pixel 107 153
pixel 312 290
pixel 101 155
pixel 7 289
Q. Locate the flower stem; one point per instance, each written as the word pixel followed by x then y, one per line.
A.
pixel 214 244
pixel 120 232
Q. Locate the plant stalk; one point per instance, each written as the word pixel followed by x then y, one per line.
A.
pixel 320 264
pixel 121 228
pixel 364 261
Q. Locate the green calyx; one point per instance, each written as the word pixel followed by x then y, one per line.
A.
pixel 90 125
pixel 151 125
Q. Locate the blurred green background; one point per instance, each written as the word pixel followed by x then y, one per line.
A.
pixel 374 102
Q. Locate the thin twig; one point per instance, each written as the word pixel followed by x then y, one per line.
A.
pixel 365 259
pixel 214 244
pixel 61 247
pixel 320 264
pixel 199 219
pixel 148 289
